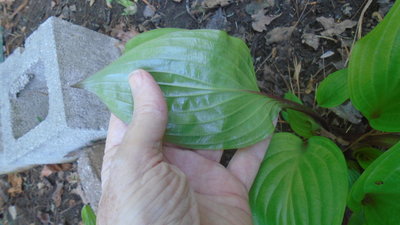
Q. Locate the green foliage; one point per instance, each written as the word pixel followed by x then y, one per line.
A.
pixel 354 172
pixel 366 155
pixel 333 91
pixel 130 7
pixel 376 193
pixel 374 74
pixel 209 83
pixel 357 219
pixel 213 101
pixel 147 36
pixel 302 183
pixel 300 123
pixel 88 216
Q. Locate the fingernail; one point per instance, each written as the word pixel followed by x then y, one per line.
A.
pixel 136 78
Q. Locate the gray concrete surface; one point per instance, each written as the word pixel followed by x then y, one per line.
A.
pixel 42 118
pixel 89 170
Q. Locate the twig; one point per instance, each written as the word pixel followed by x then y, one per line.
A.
pixel 302 13
pixel 360 20
pixel 20 7
pixel 189 12
pixel 359 28
pixel 362 137
pixel 263 62
pixel 328 38
pixel 282 77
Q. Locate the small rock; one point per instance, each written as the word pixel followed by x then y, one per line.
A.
pixel 12 210
pixel 148 11
pixel 327 54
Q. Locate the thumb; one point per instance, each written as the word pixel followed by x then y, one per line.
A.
pixel 143 139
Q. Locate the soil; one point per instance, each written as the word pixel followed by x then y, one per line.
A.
pixel 282 62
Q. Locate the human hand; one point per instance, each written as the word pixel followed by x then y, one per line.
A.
pixel 146 181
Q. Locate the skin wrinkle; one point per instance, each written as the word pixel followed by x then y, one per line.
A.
pixel 211 207
pixel 161 198
pixel 232 203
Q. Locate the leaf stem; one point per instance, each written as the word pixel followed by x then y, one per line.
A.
pixel 298 107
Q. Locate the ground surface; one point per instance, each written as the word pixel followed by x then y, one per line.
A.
pixel 294 43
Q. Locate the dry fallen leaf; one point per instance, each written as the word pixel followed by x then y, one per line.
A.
pixel 57 194
pixel 311 40
pixel 279 34
pixel 15 181
pixel 123 33
pixel 347 112
pixel 215 3
pixel 310 86
pixel 332 28
pixel 260 20
pixel 53 168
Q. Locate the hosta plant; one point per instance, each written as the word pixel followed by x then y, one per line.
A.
pixel 308 177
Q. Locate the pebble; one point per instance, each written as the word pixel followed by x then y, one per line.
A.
pixel 13 212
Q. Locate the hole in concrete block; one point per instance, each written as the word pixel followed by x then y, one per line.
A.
pixel 29 100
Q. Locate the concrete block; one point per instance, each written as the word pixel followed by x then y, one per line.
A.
pixel 42 118
pixel 89 170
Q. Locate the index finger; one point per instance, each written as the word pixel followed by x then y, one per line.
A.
pixel 246 162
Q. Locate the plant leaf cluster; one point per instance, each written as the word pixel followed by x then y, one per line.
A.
pixel 209 83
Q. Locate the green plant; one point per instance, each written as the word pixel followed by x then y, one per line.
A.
pixel 130 7
pixel 209 84
pixel 88 216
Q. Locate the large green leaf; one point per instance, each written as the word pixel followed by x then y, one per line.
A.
pixel 300 123
pixel 333 90
pixel 147 36
pixel 300 183
pixel 376 193
pixel 374 73
pixel 208 80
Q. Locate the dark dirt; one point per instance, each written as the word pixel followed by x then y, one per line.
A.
pixel 275 63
